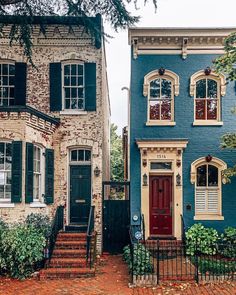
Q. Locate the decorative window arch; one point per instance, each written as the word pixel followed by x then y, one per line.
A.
pixel 161 86
pixel 207 87
pixel 206 174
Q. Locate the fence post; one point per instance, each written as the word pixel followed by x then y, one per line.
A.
pixel 196 263
pixel 132 261
pixel 158 262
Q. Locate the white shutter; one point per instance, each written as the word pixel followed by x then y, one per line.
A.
pixel 213 200
pixel 200 200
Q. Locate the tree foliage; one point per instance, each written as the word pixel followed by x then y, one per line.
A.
pixel 229 142
pixel 113 11
pixel 117 162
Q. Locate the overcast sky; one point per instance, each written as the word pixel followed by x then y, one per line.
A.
pixel 170 13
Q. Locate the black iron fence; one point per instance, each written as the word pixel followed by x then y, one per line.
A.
pixel 161 260
pixel 91 239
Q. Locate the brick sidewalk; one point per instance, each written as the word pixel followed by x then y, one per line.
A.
pixel 112 279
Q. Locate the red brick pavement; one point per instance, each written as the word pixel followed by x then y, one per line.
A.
pixel 112 279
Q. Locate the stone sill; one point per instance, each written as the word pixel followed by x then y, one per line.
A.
pixel 6 205
pixel 207 123
pixel 208 217
pixel 37 205
pixel 73 112
pixel 156 123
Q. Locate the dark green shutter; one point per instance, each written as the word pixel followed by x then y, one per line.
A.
pixel 49 176
pixel 90 86
pixel 29 173
pixel 55 86
pixel 16 183
pixel 20 83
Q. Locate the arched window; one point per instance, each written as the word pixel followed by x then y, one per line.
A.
pixel 207 91
pixel 73 86
pixel 7 84
pixel 160 90
pixel 207 178
pixel 81 156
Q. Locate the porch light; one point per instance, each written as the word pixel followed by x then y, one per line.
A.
pixel 145 179
pixel 97 171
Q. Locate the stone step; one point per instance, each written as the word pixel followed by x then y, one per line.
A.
pixel 67 262
pixel 77 228
pixel 72 253
pixel 66 273
pixel 70 244
pixel 64 236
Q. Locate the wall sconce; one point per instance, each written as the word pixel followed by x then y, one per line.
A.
pixel 161 71
pixel 97 171
pixel 178 180
pixel 145 179
pixel 207 71
pixel 208 158
pixel 144 162
pixel 178 163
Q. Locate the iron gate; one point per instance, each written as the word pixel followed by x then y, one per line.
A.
pixel 116 216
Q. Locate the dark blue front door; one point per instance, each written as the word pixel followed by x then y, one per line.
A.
pixel 80 193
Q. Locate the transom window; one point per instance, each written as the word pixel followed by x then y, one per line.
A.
pixel 7 84
pixel 160 100
pixel 207 102
pixel 80 155
pixel 161 165
pixel 5 170
pixel 37 169
pixel 73 86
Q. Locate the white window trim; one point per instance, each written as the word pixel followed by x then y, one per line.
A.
pixel 41 202
pixel 71 111
pixel 168 75
pixel 4 202
pixel 221 91
pixel 8 62
pixel 221 165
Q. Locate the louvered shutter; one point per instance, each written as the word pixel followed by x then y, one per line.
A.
pixel 90 86
pixel 29 173
pixel 55 86
pixel 200 200
pixel 20 83
pixel 16 185
pixel 49 176
pixel 207 200
pixel 213 200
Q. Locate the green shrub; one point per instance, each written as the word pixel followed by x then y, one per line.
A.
pixel 202 239
pixel 21 248
pixel 40 222
pixel 142 263
pixel 228 238
pixel 214 267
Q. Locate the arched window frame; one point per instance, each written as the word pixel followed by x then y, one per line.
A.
pixel 80 162
pixel 168 75
pixel 221 90
pixel 9 86
pixel 220 165
pixel 64 106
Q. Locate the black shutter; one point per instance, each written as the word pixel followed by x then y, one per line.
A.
pixel 55 86
pixel 49 176
pixel 20 83
pixel 16 172
pixel 29 173
pixel 90 86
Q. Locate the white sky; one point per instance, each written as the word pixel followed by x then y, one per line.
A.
pixel 170 13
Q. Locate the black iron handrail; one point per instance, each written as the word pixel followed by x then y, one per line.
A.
pixel 143 228
pixel 90 232
pixel 57 225
pixel 183 229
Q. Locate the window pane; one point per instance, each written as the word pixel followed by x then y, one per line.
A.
pixel 161 165
pixel 67 92
pixel 200 109
pixel 211 109
pixel 166 110
pixel 201 88
pixel 80 70
pixel 155 89
pixel 73 81
pixel 165 88
pixel 67 103
pixel 8 180
pixel 80 104
pixel 73 155
pixel 201 175
pixel 211 88
pixel 12 70
pixel 80 92
pixel 67 70
pixel 212 175
pixel 74 103
pixel 154 110
pixel 87 155
pixel 1 190
pixel 2 178
pixel 5 69
pixel 73 69
pixel 12 92
pixel 73 92
pixel 80 81
pixel 12 80
pixel 66 80
pixel 81 155
pixel 5 80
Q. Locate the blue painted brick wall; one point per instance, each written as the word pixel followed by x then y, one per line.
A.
pixel 203 140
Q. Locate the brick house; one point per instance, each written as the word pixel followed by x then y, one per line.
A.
pixel 54 122
pixel 179 109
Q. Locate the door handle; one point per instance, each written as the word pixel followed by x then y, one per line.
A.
pixel 80 201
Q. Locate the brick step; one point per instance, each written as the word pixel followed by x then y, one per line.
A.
pixel 70 244
pixel 67 262
pixel 66 273
pixel 72 253
pixel 63 236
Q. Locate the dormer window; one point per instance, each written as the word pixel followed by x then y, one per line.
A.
pixel 7 84
pixel 73 86
pixel 207 90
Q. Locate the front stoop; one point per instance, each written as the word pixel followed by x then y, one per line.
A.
pixel 68 258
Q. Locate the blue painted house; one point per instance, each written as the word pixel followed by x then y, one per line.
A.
pixel 179 109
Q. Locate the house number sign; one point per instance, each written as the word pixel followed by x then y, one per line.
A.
pixel 161 156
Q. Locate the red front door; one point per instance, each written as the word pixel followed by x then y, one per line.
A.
pixel 160 202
